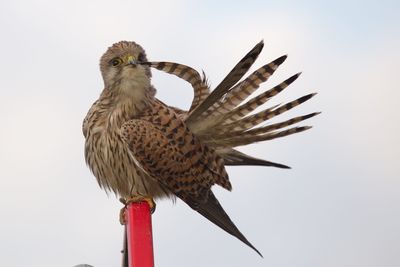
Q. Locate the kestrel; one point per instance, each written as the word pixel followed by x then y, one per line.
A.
pixel 140 148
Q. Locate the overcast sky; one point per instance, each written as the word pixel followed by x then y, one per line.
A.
pixel 337 206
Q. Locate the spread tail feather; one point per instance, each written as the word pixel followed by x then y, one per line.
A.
pixel 200 87
pixel 213 211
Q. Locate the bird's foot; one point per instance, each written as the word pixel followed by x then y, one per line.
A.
pixel 136 199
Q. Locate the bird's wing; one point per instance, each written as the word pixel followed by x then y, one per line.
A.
pixel 172 156
pixel 231 79
pixel 223 119
pixel 165 148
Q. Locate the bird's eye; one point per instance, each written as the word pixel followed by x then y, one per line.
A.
pixel 116 61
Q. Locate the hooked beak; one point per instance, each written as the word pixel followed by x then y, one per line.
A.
pixel 132 61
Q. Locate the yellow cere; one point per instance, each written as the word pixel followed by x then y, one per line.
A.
pixel 130 58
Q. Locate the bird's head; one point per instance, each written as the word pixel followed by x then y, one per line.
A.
pixel 121 66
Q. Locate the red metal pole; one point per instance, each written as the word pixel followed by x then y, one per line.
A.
pixel 139 234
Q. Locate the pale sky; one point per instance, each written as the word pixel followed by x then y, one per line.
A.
pixel 337 206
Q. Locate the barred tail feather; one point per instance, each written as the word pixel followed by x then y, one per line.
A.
pixel 199 84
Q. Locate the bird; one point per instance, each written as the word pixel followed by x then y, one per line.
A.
pixel 142 149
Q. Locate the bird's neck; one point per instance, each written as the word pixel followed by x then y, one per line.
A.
pixel 125 101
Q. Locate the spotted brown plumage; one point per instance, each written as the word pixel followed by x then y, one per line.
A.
pixel 137 146
pixel 168 151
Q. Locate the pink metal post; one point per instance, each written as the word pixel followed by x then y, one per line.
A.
pixel 139 235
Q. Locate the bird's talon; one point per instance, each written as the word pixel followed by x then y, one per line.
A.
pixel 138 199
pixel 122 200
pixel 122 218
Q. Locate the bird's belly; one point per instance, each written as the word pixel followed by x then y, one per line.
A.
pixel 116 170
